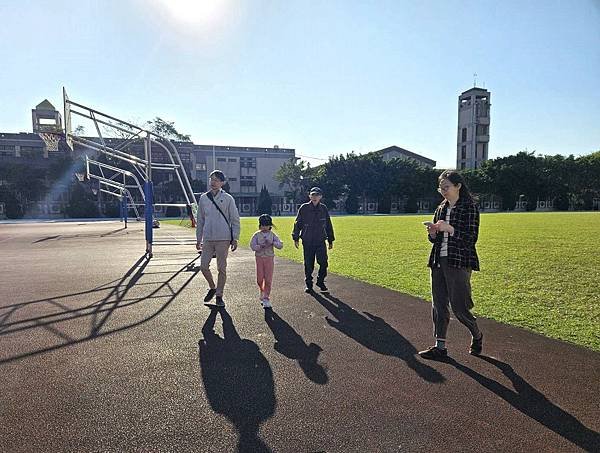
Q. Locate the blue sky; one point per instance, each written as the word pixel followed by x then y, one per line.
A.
pixel 323 77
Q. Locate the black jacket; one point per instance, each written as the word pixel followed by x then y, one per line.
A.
pixel 313 224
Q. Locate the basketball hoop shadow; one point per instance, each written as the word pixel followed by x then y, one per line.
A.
pixel 114 297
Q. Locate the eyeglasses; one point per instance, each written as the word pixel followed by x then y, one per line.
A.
pixel 444 189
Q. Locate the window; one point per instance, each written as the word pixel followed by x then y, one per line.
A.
pixel 482 129
pixel 476 152
pixel 232 159
pixel 201 167
pixel 248 162
pixel 248 183
pixel 7 150
pixel 484 151
pixel 464 134
pixel 221 159
pixel 463 152
pixel 32 151
pixel 475 164
pixel 232 179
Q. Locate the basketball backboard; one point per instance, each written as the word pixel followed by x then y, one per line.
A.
pixel 67 114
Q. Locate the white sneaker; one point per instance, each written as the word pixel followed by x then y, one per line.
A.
pixel 266 303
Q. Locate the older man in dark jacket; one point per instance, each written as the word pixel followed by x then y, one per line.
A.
pixel 313 226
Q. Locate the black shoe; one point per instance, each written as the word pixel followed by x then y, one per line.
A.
pixel 210 294
pixel 308 289
pixel 219 302
pixel 322 287
pixel 476 345
pixel 434 353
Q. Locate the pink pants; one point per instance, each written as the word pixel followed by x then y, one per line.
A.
pixel 264 274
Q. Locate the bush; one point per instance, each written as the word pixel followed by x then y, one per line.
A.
pixel 351 204
pixel 80 205
pixel 14 210
pixel 112 210
pixel 173 211
pixel 411 205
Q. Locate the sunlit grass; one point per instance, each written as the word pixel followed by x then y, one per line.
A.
pixel 540 271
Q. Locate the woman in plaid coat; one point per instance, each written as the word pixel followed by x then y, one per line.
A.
pixel 453 257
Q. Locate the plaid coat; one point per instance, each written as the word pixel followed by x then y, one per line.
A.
pixel 464 217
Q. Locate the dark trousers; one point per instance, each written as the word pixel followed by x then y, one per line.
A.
pixel 451 286
pixel 312 251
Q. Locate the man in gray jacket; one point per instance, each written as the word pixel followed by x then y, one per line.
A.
pixel 217 230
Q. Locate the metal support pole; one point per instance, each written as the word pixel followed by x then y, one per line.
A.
pixel 149 192
pixel 124 208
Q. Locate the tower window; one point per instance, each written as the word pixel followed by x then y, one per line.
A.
pixel 464 134
pixel 463 152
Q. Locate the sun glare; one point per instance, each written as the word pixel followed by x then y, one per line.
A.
pixel 205 12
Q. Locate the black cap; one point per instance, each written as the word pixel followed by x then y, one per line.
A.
pixel 316 190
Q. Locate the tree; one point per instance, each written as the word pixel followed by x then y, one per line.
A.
pixel 351 204
pixel 264 201
pixel 291 176
pixel 166 129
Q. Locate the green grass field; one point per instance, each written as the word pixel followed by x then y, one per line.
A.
pixel 540 271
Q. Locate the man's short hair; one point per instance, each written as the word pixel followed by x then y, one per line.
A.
pixel 217 174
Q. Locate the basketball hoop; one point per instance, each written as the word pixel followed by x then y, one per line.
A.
pixel 50 140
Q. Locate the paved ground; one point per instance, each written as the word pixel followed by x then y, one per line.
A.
pixel 101 350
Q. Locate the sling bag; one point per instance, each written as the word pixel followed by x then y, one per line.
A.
pixel 211 198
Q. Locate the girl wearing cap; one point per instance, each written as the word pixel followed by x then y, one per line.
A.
pixel 262 243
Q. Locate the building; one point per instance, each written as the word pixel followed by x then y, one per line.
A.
pixel 393 152
pixel 248 169
pixel 473 128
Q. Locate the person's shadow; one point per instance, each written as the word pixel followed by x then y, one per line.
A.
pixel 237 379
pixel 292 345
pixel 534 404
pixel 375 334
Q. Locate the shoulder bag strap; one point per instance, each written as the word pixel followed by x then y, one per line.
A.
pixel 212 198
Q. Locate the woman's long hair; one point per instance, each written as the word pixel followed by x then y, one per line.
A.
pixel 455 178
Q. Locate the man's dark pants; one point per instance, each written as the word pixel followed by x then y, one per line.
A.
pixel 312 251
